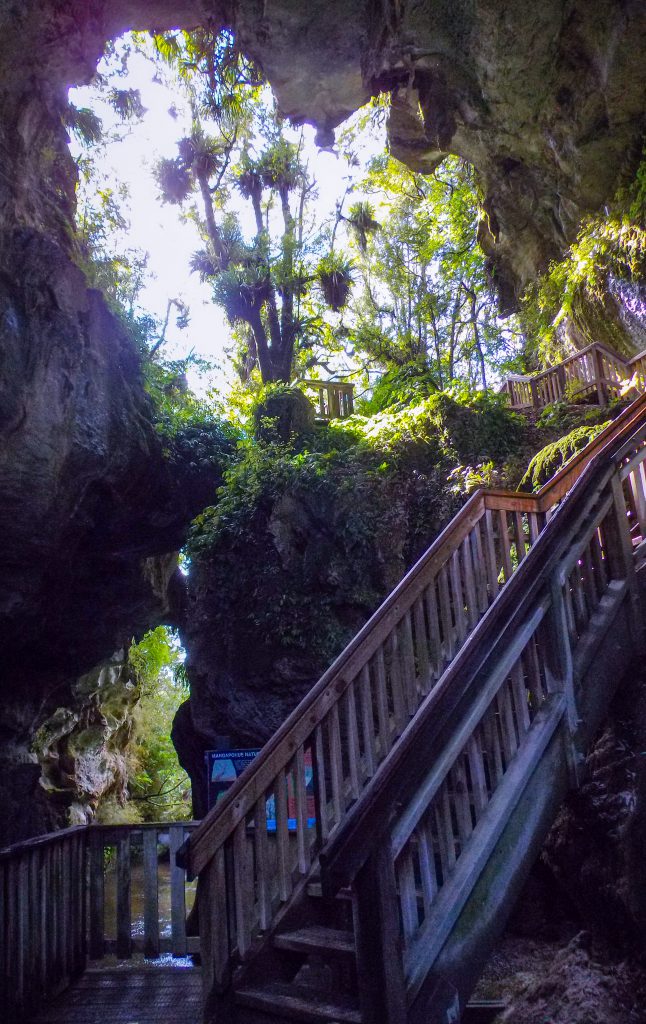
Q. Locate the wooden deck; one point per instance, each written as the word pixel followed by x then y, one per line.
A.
pixel 128 995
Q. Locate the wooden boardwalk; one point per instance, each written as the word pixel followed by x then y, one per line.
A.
pixel 128 995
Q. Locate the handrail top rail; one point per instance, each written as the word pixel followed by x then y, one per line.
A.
pixel 326 383
pixel 353 843
pixel 258 776
pixel 16 849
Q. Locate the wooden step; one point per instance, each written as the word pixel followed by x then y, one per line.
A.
pixel 482 1011
pixel 314 889
pixel 290 1002
pixel 317 939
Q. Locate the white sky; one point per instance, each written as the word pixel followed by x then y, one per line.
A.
pixel 161 230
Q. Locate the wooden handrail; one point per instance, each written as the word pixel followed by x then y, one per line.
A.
pixel 450 813
pixel 241 797
pixel 391 788
pixel 357 712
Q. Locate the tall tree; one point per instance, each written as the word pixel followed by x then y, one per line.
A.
pixel 425 296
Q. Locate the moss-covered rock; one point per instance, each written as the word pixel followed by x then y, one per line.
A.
pixel 550 459
pixel 304 542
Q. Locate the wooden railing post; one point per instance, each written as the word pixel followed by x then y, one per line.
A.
pixel 380 972
pixel 599 379
pixel 620 558
pixel 559 671
pixel 97 912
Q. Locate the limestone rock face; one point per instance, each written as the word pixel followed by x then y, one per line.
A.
pixel 546 100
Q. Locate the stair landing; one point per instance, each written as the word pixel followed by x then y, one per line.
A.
pixel 128 995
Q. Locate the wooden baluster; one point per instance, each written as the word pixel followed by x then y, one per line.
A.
pixel 639 498
pixel 491 731
pixel 35 949
pixel 507 725
pixel 580 610
pixel 587 571
pixel 461 800
pixel 66 854
pixel 426 866
pixel 458 599
pixel 151 895
pixel 321 810
pixel 534 674
pixel 22 937
pixel 434 635
pixel 405 874
pixel 480 566
pixel 177 893
pixel 124 937
pixel 445 830
pixel 354 756
pixel 97 900
pixel 57 910
pixel 396 683
pixel 519 693
pixel 599 565
pixel 620 558
pixel 282 833
pixel 367 723
pixel 505 548
pixel 534 527
pixel 519 536
pixel 407 650
pixel 476 770
pixel 448 630
pixel 569 614
pixel 490 555
pixel 468 575
pixel 244 889
pixel 263 869
pixel 383 714
pixel 422 645
pixel 214 934
pixel 598 377
pixel 302 841
pixel 336 764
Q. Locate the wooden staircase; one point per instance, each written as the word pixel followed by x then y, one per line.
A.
pixel 594 374
pixel 441 743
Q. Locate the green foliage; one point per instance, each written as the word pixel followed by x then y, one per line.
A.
pixel 85 123
pixel 472 426
pixel 426 298
pixel 126 103
pixel 557 454
pixel 334 273
pixel 159 790
pixel 306 537
pixel 400 387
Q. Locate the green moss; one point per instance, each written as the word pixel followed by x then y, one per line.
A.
pixel 557 454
